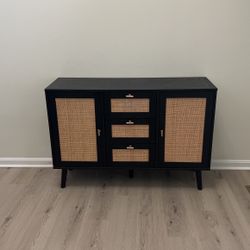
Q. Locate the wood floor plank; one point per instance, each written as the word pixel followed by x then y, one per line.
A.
pixel 217 215
pixel 106 210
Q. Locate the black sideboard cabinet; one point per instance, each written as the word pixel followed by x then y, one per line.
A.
pixel 131 123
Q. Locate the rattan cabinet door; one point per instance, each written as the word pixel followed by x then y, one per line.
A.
pixel 77 129
pixel 183 129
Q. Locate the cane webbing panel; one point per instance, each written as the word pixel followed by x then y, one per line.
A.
pixel 77 129
pixel 130 155
pixel 184 127
pixel 130 131
pixel 130 105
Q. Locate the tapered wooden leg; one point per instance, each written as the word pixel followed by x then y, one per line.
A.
pixel 131 173
pixel 199 179
pixel 63 178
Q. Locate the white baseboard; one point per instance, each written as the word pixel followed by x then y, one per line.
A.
pixel 47 162
pixel 16 162
pixel 230 165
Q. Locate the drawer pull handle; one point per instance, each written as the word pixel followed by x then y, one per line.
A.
pixel 130 147
pixel 130 122
pixel 129 96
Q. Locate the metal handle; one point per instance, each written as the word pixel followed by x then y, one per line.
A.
pixel 130 147
pixel 162 133
pixel 129 96
pixel 130 122
pixel 99 132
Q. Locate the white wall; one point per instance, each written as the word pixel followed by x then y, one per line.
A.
pixel 41 40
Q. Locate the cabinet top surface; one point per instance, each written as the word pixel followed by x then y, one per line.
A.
pixel 181 83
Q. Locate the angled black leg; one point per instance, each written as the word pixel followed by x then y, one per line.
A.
pixel 199 179
pixel 131 173
pixel 63 178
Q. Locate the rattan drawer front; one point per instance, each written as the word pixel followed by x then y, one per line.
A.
pixel 130 131
pixel 184 128
pixel 130 105
pixel 130 155
pixel 77 129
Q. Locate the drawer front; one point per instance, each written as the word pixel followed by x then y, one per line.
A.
pixel 130 131
pixel 125 154
pixel 130 155
pixel 130 105
pixel 130 128
pixel 134 104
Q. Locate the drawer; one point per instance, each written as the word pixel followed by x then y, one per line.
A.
pixel 130 128
pixel 130 155
pixel 133 105
pixel 131 131
pixel 130 104
pixel 121 154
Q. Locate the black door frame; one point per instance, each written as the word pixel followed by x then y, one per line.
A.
pixel 208 128
pixel 54 133
pixel 139 118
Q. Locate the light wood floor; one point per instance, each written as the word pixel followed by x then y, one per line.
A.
pixel 107 210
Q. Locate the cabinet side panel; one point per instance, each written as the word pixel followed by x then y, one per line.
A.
pixel 77 129
pixel 184 129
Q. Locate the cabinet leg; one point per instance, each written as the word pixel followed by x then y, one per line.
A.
pixel 64 178
pixel 199 179
pixel 131 173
